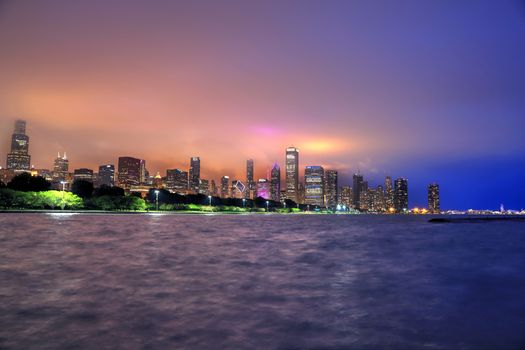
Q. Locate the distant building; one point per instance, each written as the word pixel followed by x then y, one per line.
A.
pixel 331 189
pixel 347 196
pixel 314 185
pixel 19 159
pixel 238 189
pixel 106 175
pixel 433 199
pixel 83 174
pixel 263 188
pixel 204 187
pixel 60 168
pixel 195 174
pixel 275 183
pixel 225 183
pixel 292 174
pixel 131 172
pixel 401 195
pixel 213 188
pixel 250 183
pixel 357 188
pixel 389 194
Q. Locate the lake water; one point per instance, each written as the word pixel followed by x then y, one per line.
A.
pixel 259 282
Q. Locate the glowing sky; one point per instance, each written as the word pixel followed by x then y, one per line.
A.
pixel 429 90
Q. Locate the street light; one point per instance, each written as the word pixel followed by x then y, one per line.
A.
pixel 157 199
pixel 267 204
pixel 244 202
pixel 209 197
pixel 63 185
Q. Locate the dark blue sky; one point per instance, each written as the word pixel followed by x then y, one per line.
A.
pixel 429 90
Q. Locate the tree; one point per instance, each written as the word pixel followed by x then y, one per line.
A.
pixel 82 188
pixel 27 183
pixel 106 190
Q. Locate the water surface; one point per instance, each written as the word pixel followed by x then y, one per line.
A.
pixel 259 282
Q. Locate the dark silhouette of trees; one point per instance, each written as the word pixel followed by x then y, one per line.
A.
pixel 82 188
pixel 27 183
pixel 105 190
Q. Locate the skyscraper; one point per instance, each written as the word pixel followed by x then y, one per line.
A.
pixel 225 181
pixel 238 189
pixel 357 188
pixel 292 174
pixel 331 189
pixel 401 195
pixel 60 168
pixel 389 193
pixel 19 159
pixel 204 187
pixel 263 189
pixel 106 175
pixel 433 198
pixel 195 174
pixel 275 183
pixel 347 196
pixel 249 179
pixel 177 180
pixel 313 185
pixel 131 171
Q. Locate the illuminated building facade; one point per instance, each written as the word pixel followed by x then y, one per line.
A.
pixel 331 188
pixel 401 195
pixel 263 188
pixel 314 185
pixel 177 180
pixel 433 199
pixel 275 183
pixel 106 175
pixel 357 188
pixel 131 172
pixel 204 187
pixel 195 174
pixel 389 193
pixel 19 159
pixel 249 193
pixel 238 189
pixel 292 174
pixel 347 196
pixel 225 183
pixel 60 168
pixel 83 174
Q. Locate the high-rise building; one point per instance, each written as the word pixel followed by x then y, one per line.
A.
pixel 195 174
pixel 83 174
pixel 389 194
pixel 60 168
pixel 275 183
pixel 292 173
pixel 263 188
pixel 249 179
pixel 213 189
pixel 401 195
pixel 106 175
pixel 433 199
pixel 347 196
pixel 313 185
pixel 225 182
pixel 204 187
pixel 378 203
pixel 331 189
pixel 131 171
pixel 19 159
pixel 177 180
pixel 238 189
pixel 357 188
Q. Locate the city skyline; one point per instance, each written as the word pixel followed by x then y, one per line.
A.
pixel 397 94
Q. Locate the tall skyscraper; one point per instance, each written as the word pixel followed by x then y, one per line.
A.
pixel 347 196
pixel 238 189
pixel 389 193
pixel 357 188
pixel 401 195
pixel 60 168
pixel 213 188
pixel 225 182
pixel 263 188
pixel 292 174
pixel 275 183
pixel 331 189
pixel 433 199
pixel 19 159
pixel 249 179
pixel 195 174
pixel 313 185
pixel 106 175
pixel 204 187
pixel 177 180
pixel 131 171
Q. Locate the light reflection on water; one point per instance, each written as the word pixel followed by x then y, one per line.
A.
pixel 259 282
